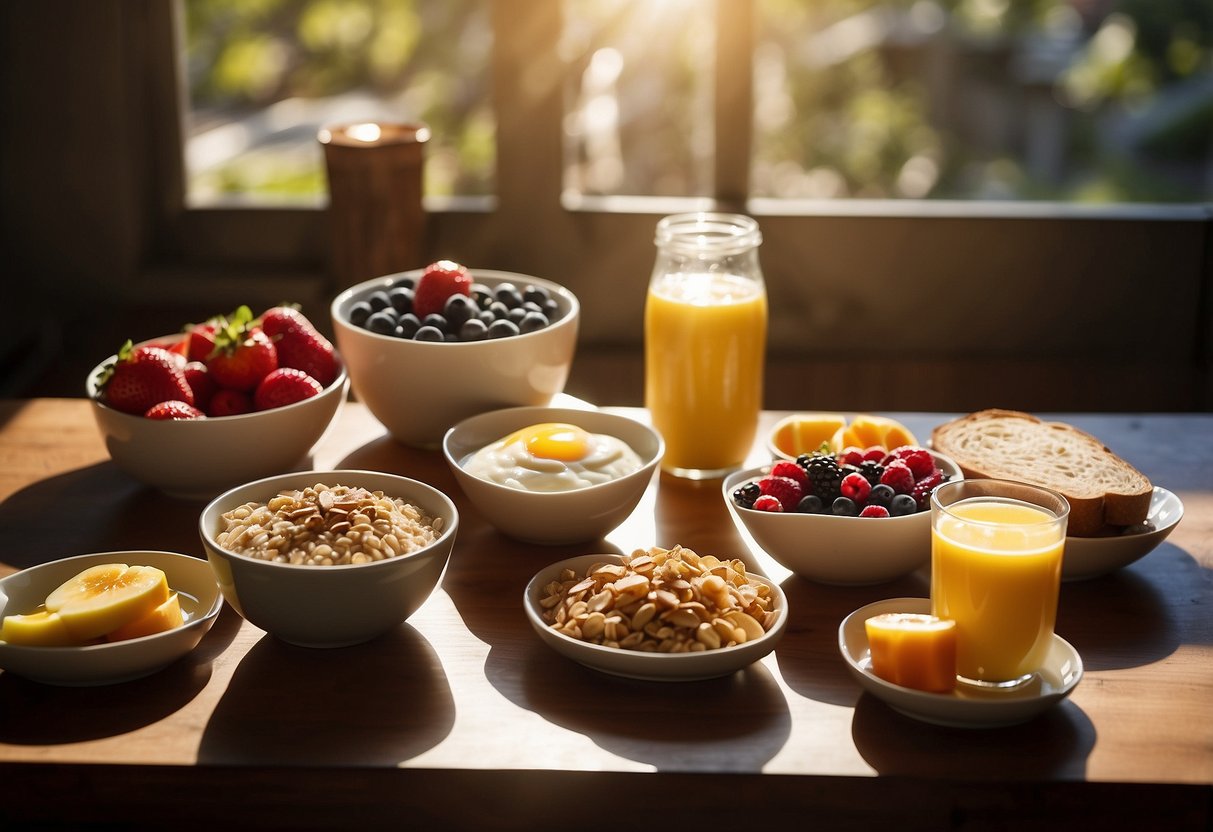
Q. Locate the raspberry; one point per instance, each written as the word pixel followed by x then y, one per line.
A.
pixel 920 462
pixel 898 476
pixel 787 491
pixel 923 488
pixel 767 503
pixel 874 453
pixel 792 471
pixel 874 511
pixel 851 455
pixel 856 487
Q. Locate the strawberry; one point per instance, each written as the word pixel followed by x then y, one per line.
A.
pixel 141 377
pixel 227 402
pixel 198 377
pixel 200 341
pixel 299 345
pixel 243 354
pixel 437 283
pixel 175 410
pixel 284 386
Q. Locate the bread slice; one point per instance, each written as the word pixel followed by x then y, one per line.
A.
pixel 1103 490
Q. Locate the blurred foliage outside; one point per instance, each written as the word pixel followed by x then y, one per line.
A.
pixel 1081 100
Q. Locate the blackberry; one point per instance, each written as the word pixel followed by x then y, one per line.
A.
pixel 745 495
pixel 871 471
pixel 825 478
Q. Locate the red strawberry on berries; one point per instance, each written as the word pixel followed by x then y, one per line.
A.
pixel 437 283
pixel 792 471
pixel 227 402
pixel 300 345
pixel 898 476
pixel 284 386
pixel 243 354
pixel 174 410
pixel 198 377
pixel 200 341
pixel 856 487
pixel 767 503
pixel 874 511
pixel 787 491
pixel 141 377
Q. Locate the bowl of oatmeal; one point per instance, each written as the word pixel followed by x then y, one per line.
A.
pixel 329 558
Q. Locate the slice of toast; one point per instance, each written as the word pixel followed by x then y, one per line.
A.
pixel 1103 490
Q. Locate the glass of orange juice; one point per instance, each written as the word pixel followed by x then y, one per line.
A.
pixel 996 550
pixel 705 331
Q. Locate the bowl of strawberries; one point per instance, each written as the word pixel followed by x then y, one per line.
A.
pixel 429 348
pixel 236 398
pixel 853 517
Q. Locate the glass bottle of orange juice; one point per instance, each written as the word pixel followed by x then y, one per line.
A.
pixel 705 331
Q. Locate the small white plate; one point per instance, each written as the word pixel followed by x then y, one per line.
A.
pixel 965 707
pixel 121 661
pixel 1090 557
pixel 655 667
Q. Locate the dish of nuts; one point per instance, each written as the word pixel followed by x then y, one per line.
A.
pixel 661 601
pixel 325 525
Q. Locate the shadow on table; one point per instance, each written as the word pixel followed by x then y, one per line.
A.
pixel 1054 745
pixel 94 509
pixel 38 714
pixel 375 704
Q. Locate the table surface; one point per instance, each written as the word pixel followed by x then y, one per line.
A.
pixel 464 700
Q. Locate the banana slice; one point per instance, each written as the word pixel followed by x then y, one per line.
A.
pixel 103 598
pixel 38 629
pixel 164 617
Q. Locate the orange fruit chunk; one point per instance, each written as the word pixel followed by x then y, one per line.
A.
pixel 164 617
pixel 868 430
pixel 803 433
pixel 913 650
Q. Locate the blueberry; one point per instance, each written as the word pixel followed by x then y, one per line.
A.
pixel 473 329
pixel 404 283
pixel 902 505
pixel 882 495
pixel 359 312
pixel 408 326
pixel 437 321
pixel 810 504
pixel 529 306
pixel 550 308
pixel 499 309
pixel 482 294
pixel 508 294
pixel 533 322
pixel 486 317
pixel 381 322
pixel 502 329
pixel 845 507
pixel 516 315
pixel 429 333
pixel 378 300
pixel 458 309
pixel 535 294
pixel 401 299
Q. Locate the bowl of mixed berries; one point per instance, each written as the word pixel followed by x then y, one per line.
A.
pixel 856 516
pixel 429 348
pixel 236 398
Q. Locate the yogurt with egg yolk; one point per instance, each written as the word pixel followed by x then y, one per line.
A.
pixel 553 457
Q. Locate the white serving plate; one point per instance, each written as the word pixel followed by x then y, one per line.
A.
pixel 964 707
pixel 658 667
pixel 121 661
pixel 1091 557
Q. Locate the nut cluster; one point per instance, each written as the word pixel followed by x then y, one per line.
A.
pixel 661 601
pixel 327 526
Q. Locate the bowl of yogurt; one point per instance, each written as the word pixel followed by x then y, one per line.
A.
pixel 553 475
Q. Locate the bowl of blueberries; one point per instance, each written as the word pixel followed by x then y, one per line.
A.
pixel 427 348
pixel 839 520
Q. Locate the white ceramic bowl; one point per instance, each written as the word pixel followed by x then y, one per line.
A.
pixel 198 458
pixel 330 606
pixel 419 389
pixel 553 517
pixel 660 667
pixel 103 664
pixel 1090 557
pixel 838 550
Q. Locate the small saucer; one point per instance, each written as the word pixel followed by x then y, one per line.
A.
pixel 965 707
pixel 1090 557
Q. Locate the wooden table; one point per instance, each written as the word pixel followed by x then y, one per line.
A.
pixel 462 718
